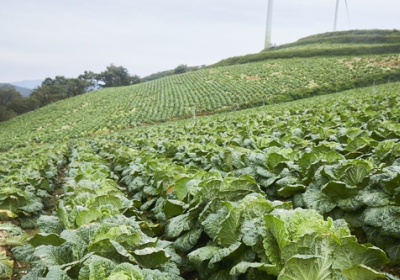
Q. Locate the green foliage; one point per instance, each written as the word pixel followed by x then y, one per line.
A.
pixel 223 224
pixel 7 95
pixel 27 178
pixel 205 91
pixel 8 98
pixel 56 89
pixel 6 266
pixel 59 88
pixel 181 69
pixel 222 198
pixel 311 165
pixel 116 76
pixel 6 114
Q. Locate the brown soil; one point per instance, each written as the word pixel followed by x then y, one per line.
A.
pixel 53 200
pixel 20 268
pixel 392 269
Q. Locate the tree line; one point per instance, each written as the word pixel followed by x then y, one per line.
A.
pixel 12 103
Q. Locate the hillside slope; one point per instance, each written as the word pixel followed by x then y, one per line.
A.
pixel 341 43
pixel 226 191
pixel 219 89
pixel 337 154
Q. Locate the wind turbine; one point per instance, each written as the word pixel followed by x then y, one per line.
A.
pixel 269 25
pixel 337 13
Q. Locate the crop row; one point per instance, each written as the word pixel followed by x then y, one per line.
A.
pixel 27 179
pixel 222 198
pixel 130 214
pixel 93 233
pixel 224 88
pixel 342 163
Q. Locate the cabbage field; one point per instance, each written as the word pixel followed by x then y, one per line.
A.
pixel 308 189
pixel 204 91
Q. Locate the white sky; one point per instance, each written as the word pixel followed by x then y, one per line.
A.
pixel 45 38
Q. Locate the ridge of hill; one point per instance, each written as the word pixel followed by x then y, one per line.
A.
pixel 31 84
pixel 341 43
pixel 23 91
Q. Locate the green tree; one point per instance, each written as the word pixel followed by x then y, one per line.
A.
pixel 58 88
pixel 183 68
pixel 31 103
pixel 17 105
pixel 64 86
pixel 23 105
pixel 116 76
pixel 75 87
pixel 90 79
pixel 8 94
pixel 6 114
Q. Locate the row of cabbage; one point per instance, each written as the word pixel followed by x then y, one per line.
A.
pixel 205 90
pixel 223 227
pixel 207 200
pixel 134 214
pixel 94 232
pixel 28 178
pixel 344 162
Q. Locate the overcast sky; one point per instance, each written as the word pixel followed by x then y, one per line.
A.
pixel 45 38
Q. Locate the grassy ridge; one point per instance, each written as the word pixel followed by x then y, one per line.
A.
pixel 374 36
pixel 344 43
pixel 220 89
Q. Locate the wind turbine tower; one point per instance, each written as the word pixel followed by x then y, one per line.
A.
pixel 337 13
pixel 269 25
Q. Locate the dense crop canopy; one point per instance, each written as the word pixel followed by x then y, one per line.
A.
pixel 270 193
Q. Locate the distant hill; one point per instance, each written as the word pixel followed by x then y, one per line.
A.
pixel 31 84
pixel 23 91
